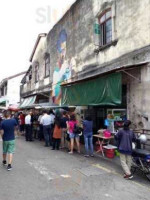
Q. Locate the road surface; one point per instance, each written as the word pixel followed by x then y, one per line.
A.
pixel 42 174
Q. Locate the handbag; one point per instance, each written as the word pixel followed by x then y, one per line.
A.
pixel 77 130
pixel 106 133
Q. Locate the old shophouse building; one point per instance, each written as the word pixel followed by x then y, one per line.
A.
pixel 10 91
pixel 96 56
pixel 35 85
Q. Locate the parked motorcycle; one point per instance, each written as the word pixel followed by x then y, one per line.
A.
pixel 141 160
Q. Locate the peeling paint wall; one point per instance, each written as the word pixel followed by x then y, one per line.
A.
pixel 78 24
pixel 38 58
pixel 138 98
pixel 131 26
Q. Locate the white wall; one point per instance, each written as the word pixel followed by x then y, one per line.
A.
pixel 13 90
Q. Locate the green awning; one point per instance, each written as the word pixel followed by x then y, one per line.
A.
pixel 104 90
pixel 3 101
pixel 27 102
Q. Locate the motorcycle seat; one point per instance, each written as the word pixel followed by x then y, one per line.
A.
pixel 140 152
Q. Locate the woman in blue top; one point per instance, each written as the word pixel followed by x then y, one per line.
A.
pixel 88 135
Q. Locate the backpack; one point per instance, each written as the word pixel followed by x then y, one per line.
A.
pixel 77 130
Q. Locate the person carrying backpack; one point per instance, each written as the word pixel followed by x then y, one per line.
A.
pixel 71 125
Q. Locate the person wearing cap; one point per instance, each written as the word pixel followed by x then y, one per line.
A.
pixel 125 137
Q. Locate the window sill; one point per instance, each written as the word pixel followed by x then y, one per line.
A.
pixel 46 76
pixel 101 48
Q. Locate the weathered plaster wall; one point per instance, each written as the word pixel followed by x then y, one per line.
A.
pixel 131 26
pixel 78 24
pixel 138 98
pixel 39 58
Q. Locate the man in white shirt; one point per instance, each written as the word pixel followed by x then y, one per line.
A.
pixel 41 136
pixel 46 122
pixel 52 116
pixel 28 134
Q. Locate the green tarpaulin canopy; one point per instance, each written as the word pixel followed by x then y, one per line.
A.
pixel 104 90
pixel 3 101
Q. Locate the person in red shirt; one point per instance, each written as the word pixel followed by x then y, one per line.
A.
pixel 22 122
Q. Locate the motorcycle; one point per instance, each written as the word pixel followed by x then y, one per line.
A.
pixel 141 161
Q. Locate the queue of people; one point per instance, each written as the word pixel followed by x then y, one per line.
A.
pixel 61 130
pixel 57 130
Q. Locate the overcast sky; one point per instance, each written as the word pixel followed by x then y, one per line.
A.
pixel 21 21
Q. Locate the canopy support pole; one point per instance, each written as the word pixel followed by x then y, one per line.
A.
pixel 139 80
pixel 44 95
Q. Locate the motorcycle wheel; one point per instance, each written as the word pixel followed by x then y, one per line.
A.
pixel 133 169
pixel 148 176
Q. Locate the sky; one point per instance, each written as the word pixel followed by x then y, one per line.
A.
pixel 21 22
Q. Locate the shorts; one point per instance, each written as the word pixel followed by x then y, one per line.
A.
pixel 72 135
pixel 8 147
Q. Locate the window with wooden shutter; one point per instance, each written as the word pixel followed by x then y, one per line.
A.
pixel 97 32
pixel 47 67
pixel 105 22
pixel 36 73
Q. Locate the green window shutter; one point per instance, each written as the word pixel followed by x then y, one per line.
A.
pixel 97 34
pixel 97 29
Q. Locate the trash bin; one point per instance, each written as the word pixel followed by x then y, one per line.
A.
pixel 110 153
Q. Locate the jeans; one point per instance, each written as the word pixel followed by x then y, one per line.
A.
pixel 63 137
pixel 88 139
pixel 22 128
pixel 51 134
pixel 28 134
pixel 41 136
pixel 46 131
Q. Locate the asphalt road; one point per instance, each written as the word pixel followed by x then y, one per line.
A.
pixel 42 174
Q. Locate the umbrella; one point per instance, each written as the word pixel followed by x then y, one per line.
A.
pixel 3 108
pixel 13 108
